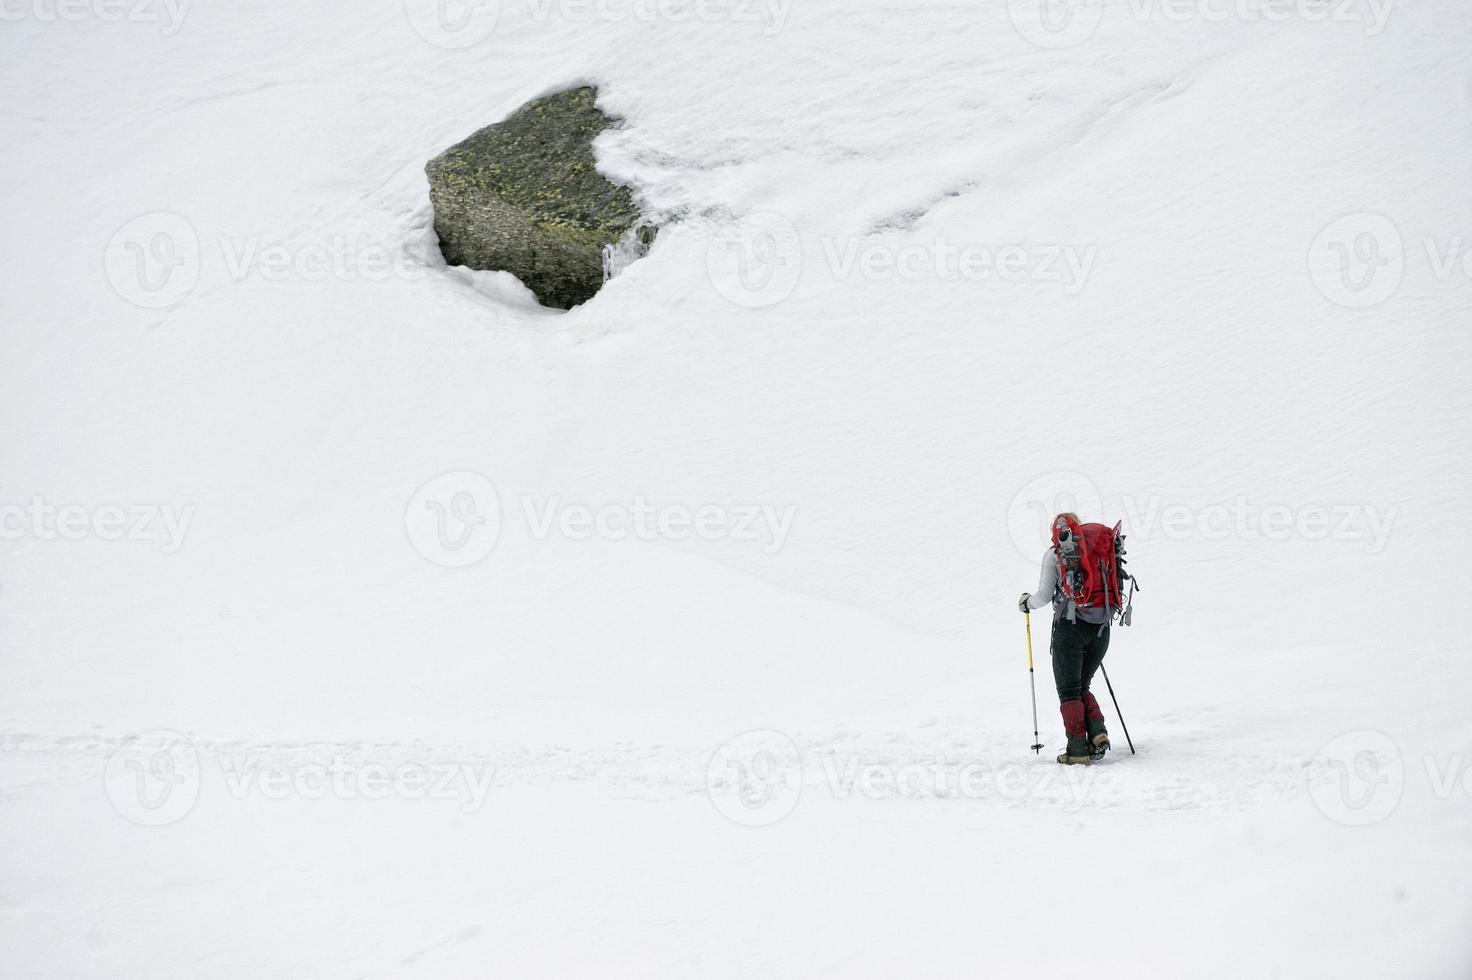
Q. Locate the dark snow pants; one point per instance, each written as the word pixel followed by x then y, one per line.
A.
pixel 1078 650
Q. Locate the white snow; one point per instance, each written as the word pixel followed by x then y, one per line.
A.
pixel 1199 265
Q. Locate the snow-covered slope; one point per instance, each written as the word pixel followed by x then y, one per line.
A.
pixel 929 273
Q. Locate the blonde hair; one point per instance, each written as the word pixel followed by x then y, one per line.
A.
pixel 1066 515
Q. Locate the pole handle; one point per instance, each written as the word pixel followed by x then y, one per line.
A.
pixel 1027 614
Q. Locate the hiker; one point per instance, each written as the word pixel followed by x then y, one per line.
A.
pixel 1080 577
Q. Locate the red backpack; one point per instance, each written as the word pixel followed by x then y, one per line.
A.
pixel 1091 567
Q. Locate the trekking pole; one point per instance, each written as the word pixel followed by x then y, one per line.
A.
pixel 1117 711
pixel 1032 682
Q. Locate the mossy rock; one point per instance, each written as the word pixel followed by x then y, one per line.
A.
pixel 525 196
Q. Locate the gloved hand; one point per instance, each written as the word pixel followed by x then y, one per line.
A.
pixel 1022 603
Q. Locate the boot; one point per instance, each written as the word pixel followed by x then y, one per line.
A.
pixel 1077 753
pixel 1098 735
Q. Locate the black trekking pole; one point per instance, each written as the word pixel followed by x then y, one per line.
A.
pixel 1032 682
pixel 1126 728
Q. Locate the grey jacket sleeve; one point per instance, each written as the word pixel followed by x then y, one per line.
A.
pixel 1047 583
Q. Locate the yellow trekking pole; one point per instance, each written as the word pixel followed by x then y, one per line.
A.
pixel 1032 682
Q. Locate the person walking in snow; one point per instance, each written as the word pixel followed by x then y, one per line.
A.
pixel 1080 578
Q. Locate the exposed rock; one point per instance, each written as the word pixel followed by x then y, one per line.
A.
pixel 524 196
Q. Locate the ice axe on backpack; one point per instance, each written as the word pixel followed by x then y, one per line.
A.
pixel 1032 682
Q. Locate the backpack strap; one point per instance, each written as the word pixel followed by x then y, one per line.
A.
pixel 1063 589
